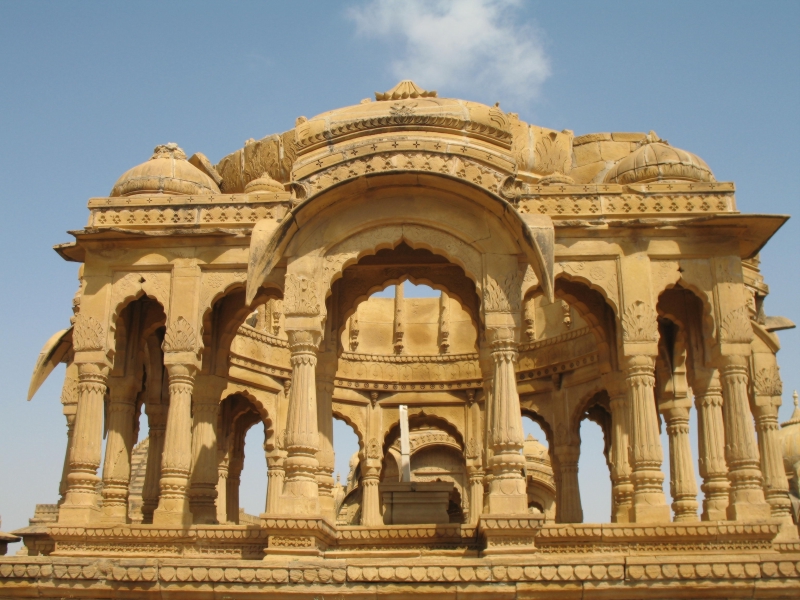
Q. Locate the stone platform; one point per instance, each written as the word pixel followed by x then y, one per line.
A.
pixel 697 560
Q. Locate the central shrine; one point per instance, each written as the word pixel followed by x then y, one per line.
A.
pixel 607 277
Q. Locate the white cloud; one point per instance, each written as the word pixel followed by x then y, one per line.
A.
pixel 473 47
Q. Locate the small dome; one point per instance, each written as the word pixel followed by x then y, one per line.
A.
pixel 656 160
pixel 535 451
pixel 265 183
pixel 167 172
pixel 790 438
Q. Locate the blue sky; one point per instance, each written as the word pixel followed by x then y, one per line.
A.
pixel 89 88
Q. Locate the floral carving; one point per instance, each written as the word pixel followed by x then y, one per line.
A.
pixel 301 296
pixel 503 295
pixel 373 449
pixel 736 328
pixel 88 334
pixel 179 337
pixel 767 382
pixel 550 155
pixel 69 392
pixel 639 323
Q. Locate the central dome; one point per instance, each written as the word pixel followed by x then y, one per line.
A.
pixel 405 106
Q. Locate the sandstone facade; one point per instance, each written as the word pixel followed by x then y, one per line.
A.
pixel 607 276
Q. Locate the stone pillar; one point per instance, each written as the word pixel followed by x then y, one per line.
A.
pixel 776 485
pixel 119 445
pixel 300 490
pixel 681 466
pixel 507 490
pixel 275 478
pixel 711 445
pixel 475 475
pixel 62 487
pixel 157 422
pixel 649 502
pixel 325 456
pixel 80 506
pixel 622 488
pixel 205 475
pixel 222 490
pixel 370 497
pixel 569 505
pixel 232 483
pixel 747 502
pixel 173 506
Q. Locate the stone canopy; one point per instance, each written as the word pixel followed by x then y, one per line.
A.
pixel 607 277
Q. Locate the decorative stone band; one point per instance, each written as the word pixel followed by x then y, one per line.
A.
pixel 421 358
pixel 778 573
pixel 410 386
pixel 160 212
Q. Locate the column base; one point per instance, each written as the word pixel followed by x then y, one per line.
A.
pixel 651 513
pixel 327 507
pixel 78 514
pixel 749 506
pixel 309 536
pixel 173 512
pixel 114 514
pixel 508 534
pixel 300 498
pixel 507 496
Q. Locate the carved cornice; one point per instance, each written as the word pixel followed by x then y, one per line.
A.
pixel 564 337
pixel 402 359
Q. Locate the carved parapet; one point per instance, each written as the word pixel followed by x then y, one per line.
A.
pixel 157 212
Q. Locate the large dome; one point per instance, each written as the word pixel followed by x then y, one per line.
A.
pixel 656 160
pixel 405 106
pixel 167 172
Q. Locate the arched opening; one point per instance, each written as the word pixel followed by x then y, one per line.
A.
pixel 594 467
pixel 539 475
pixel 237 417
pixel 346 491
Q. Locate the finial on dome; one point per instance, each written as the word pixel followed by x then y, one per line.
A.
pixel 405 89
pixel 652 138
pixel 170 150
pixel 530 438
pixel 265 183
pixel 794 396
pixel 795 419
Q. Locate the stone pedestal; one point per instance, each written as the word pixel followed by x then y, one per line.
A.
pixel 416 502
pixel 508 534
pixel 292 535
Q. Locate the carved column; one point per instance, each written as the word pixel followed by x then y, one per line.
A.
pixel 507 490
pixel 205 475
pixel 370 478
pixel 275 477
pixel 444 323
pixel 767 388
pixel 232 483
pixel 747 502
pixel 300 490
pixel 119 444
pixel 80 504
pixel 681 470
pixel 569 506
pixel 399 318
pixel 776 485
pixel 711 445
pixel 622 488
pixel 157 422
pixel 649 502
pixel 325 456
pixel 475 475
pixel 222 490
pixel 173 506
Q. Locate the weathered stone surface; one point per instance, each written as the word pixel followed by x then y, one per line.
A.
pixel 222 298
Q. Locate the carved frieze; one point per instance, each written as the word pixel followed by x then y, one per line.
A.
pixel 180 336
pixel 88 335
pixel 736 327
pixel 767 382
pixel 639 323
pixel 214 283
pixel 502 294
pixel 301 296
pixel 601 274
